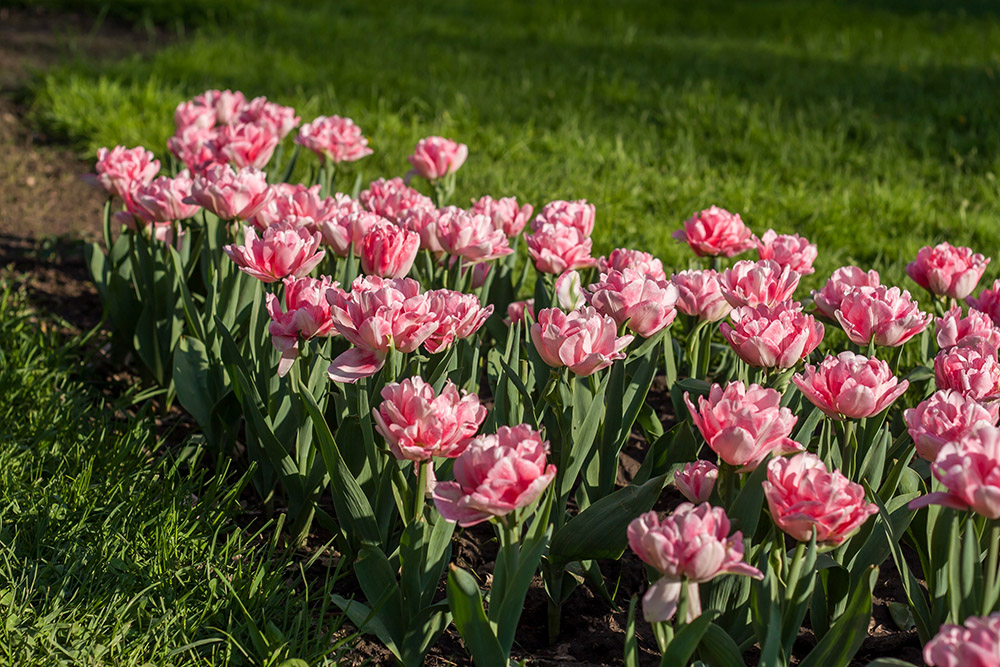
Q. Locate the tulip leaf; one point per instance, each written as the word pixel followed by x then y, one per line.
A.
pixel 631 645
pixel 377 578
pixel 845 637
pixel 676 446
pixel 686 641
pixel 718 649
pixel 366 620
pixel 466 603
pixel 745 511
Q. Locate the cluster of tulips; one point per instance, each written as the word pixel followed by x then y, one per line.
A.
pixel 376 357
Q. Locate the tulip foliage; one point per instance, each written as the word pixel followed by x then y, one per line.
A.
pixel 375 357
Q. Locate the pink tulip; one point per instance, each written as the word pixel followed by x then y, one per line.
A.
pixel 884 315
pixel 423 221
pixel 435 157
pixel 517 310
pixel 744 425
pixel 790 250
pixel 970 471
pixel 974 644
pixel 121 169
pixel 569 291
pixel 226 104
pixel 972 370
pixel 776 337
pixel 245 144
pixel 637 260
pixel 162 200
pixel 577 214
pixel 757 283
pixel 334 138
pixel 376 316
pixel 282 251
pixel 192 145
pixel 953 329
pixel 229 194
pixel 850 386
pixel 306 316
pixel 583 340
pixel 345 229
pixel 690 546
pixel 280 120
pixel 388 251
pixel 714 232
pixel 193 114
pixel 988 302
pixel 458 315
pixel 418 425
pixel 699 295
pixel 947 271
pixel 297 205
pixel 469 236
pixel 696 480
pixel 505 213
pixel 495 475
pixel 803 496
pixel 390 198
pixel 843 280
pixel 643 305
pixel 947 416
pixel 558 248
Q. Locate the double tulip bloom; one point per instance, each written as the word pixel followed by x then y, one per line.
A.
pixel 418 424
pixel 850 386
pixel 624 258
pixel 334 139
pixel 229 194
pixel 743 425
pixel 690 546
pixel 458 316
pixel 788 250
pixel 245 144
pixel 716 232
pixel 299 205
pixel 162 200
pixel 947 271
pixel 505 213
pixel 282 251
pixel 988 302
pixel 389 198
pixel 844 280
pixel 946 416
pixel 777 337
pixel 346 227
pixel 388 251
pixel 495 475
pixel 121 169
pixel 559 248
pixel 803 497
pixel 306 316
pixel 436 157
pixel 645 306
pixel 972 370
pixel 976 643
pixel 953 329
pixel 583 340
pixel 970 471
pixel 471 236
pixel 699 295
pixel 884 315
pixel 759 283
pixel 577 214
pixel 696 480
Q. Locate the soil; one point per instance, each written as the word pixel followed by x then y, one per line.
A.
pixel 47 212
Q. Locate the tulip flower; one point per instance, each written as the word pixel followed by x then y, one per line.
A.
pixel 953 329
pixel 282 251
pixel 623 258
pixel 699 295
pixel 280 120
pixel 569 291
pixel 458 315
pixel 558 248
pixel 121 169
pixel 345 229
pixel 423 221
pixel 306 316
pixel 776 337
pixel 300 206
pixel 583 340
pixel 225 103
pixel 883 315
pixel 388 251
pixel 245 144
pixel 788 250
pixel 192 145
pixel 947 416
pixel 843 280
pixel 162 200
pixel 418 424
pixel 758 283
pixel 642 304
pixel 696 480
pixel 495 475
pixel 743 425
pixel 517 310
pixel 690 546
pixel 576 214
pixel 469 236
pixel 803 496
pixel 389 198
pixel 988 302
pixel 229 194
pixel 191 113
pixel 436 157
pixel 505 213
pixel 715 232
pixel 948 271
pixel 976 643
pixel 972 370
pixel 970 471
pixel 850 386
pixel 334 139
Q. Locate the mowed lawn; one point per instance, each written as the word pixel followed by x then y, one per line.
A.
pixel 871 128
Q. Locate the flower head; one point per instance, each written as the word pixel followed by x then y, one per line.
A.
pixel 755 283
pixel 282 251
pixel 974 644
pixel 946 270
pixel 970 369
pixel 388 251
pixel 988 302
pixel 970 471
pixel 470 236
pixel 576 214
pixel 849 385
pixel 843 280
pixel 389 198
pixel 559 248
pixel 435 157
pixel 881 314
pixel 696 480
pixel 229 194
pixel 623 258
pixel 699 295
pixel 946 416
pixel 583 340
pixel 334 138
pixel 505 213
pixel 953 329
pixel 776 337
pixel 306 315
pixel 642 304
pixel 458 315
pixel 714 232
pixel 162 200
pixel 788 250
pixel 121 169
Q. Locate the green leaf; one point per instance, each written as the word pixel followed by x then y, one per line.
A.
pixel 466 603
pixel 366 620
pixel 845 637
pixel 676 446
pixel 687 639
pixel 377 578
pixel 747 507
pixel 718 649
pixel 631 645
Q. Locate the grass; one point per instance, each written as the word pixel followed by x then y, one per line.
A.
pixel 870 128
pixel 117 551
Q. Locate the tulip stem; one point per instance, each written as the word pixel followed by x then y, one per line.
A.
pixel 421 491
pixel 683 602
pixel 846 452
pixel 990 596
pixel 796 571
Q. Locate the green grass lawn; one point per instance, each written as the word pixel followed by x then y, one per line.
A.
pixel 870 128
pixel 116 551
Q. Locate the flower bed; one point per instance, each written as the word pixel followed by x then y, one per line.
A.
pixel 372 353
